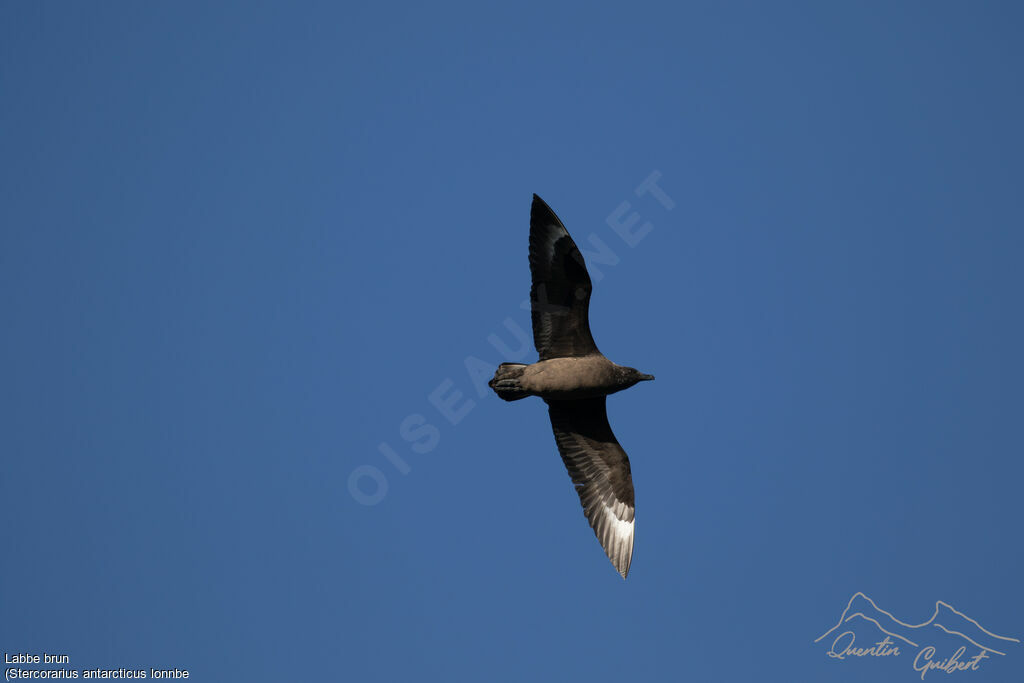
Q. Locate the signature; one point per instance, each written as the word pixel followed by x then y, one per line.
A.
pixel 923 661
pixel 883 648
pixel 899 637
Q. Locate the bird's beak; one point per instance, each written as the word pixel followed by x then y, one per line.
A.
pixel 644 378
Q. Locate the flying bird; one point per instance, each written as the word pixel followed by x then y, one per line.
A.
pixel 574 378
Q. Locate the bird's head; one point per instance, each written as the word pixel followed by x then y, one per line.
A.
pixel 631 376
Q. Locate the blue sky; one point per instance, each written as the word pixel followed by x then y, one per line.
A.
pixel 242 245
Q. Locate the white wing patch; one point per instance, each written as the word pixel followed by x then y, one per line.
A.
pixel 614 528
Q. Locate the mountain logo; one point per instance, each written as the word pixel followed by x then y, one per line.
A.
pixel 950 641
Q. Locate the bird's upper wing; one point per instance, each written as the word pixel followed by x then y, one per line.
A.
pixel 600 470
pixel 560 295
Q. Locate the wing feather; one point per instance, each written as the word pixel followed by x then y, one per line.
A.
pixel 560 291
pixel 600 472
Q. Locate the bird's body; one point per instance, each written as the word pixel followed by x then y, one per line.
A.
pixel 574 378
pixel 562 379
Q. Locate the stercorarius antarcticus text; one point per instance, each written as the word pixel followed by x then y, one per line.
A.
pixel 573 378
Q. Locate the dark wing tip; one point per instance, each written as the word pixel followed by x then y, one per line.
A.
pixel 540 212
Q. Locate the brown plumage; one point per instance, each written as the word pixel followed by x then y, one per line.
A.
pixel 573 377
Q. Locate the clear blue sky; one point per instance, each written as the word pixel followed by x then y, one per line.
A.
pixel 242 244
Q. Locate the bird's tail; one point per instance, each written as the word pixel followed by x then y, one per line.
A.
pixel 506 382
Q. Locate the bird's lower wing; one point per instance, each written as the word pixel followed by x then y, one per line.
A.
pixel 600 471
